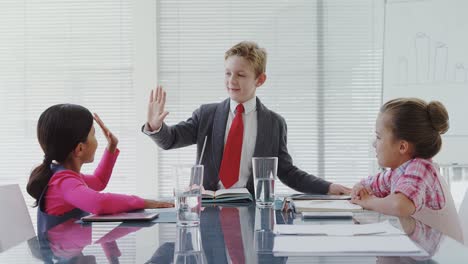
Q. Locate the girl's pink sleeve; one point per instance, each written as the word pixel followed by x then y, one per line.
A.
pixel 76 193
pixel 377 184
pixel 98 181
pixel 366 182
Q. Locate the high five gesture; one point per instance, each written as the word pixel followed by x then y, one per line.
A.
pixel 156 112
pixel 112 140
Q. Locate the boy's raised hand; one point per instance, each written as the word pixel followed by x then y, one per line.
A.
pixel 156 113
pixel 112 140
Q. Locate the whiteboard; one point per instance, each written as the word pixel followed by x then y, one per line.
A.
pixel 426 56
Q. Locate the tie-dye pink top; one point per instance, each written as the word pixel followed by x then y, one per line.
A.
pixel 417 179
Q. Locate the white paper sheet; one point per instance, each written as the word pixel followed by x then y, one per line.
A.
pixel 382 228
pixel 326 205
pixel 397 245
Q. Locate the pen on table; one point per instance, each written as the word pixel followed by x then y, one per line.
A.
pixel 370 234
pixel 325 234
pixel 293 209
pixel 284 204
pixel 288 207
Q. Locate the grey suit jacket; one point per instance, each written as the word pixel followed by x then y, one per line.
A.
pixel 210 120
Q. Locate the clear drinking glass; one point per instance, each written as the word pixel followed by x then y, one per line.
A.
pixel 264 172
pixel 188 182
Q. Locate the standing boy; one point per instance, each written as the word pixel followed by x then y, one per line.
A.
pixel 238 128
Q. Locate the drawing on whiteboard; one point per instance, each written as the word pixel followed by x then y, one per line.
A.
pixel 430 63
pixel 440 62
pixel 402 70
pixel 425 56
pixel 460 73
pixel 422 43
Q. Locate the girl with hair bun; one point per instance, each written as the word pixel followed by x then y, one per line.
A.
pixel 408 135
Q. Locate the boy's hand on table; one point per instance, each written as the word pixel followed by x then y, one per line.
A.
pixel 338 189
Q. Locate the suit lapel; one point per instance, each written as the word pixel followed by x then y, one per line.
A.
pixel 219 129
pixel 263 126
pixel 263 120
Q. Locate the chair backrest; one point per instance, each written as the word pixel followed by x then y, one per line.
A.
pixel 463 215
pixel 15 222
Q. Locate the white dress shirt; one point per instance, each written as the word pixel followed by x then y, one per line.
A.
pixel 249 117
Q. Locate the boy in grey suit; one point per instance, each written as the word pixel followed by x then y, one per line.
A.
pixel 263 133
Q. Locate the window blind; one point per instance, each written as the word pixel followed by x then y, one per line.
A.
pixel 324 74
pixel 63 51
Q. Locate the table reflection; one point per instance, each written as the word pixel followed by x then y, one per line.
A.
pixel 424 236
pixel 64 242
pixel 226 234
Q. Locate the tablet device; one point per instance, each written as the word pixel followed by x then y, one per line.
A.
pixel 121 217
pixel 327 215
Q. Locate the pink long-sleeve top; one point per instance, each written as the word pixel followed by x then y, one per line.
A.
pixel 68 190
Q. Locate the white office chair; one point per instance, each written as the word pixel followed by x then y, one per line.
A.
pixel 463 215
pixel 15 223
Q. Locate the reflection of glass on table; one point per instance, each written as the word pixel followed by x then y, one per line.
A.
pixel 264 224
pixel 188 246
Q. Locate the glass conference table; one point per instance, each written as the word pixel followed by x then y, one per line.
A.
pixel 227 234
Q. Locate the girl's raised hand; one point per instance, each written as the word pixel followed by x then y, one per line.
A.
pixel 112 140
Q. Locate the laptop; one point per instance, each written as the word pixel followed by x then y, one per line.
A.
pixel 121 217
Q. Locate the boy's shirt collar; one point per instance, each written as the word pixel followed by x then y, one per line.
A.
pixel 249 106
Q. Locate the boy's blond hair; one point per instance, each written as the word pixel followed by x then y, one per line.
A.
pixel 250 51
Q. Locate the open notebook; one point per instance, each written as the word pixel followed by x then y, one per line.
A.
pixel 226 195
pixel 121 217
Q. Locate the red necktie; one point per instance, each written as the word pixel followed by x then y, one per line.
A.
pixel 230 224
pixel 230 165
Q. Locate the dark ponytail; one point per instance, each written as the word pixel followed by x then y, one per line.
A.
pixel 38 179
pixel 59 130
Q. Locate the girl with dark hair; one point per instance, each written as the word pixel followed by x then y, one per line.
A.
pixel 66 135
pixel 408 135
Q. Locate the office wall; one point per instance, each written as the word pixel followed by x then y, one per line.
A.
pixel 425 56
